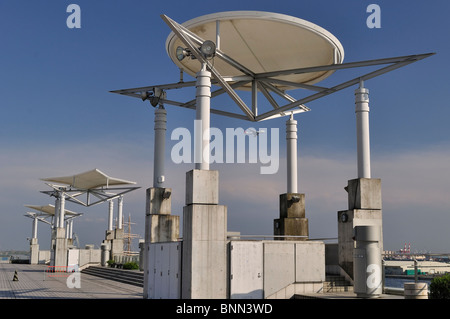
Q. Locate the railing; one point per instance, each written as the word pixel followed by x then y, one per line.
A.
pixel 126 258
pixel 259 237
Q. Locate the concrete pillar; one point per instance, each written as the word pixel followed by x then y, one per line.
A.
pixel 362 130
pixel 202 123
pixel 364 209
pixel 292 221
pixel 59 256
pixel 160 225
pixel 204 259
pixel 34 247
pixel 105 253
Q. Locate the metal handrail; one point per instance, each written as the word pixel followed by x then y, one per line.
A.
pixel 232 237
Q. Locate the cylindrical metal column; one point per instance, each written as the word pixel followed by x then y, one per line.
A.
pixel 110 216
pixel 362 130
pixel 291 144
pixel 62 208
pixel 71 229
pixel 202 136
pixel 119 212
pixel 159 147
pixel 35 224
pixel 367 268
pixel 56 216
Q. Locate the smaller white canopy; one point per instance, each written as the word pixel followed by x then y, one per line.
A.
pixel 50 210
pixel 88 180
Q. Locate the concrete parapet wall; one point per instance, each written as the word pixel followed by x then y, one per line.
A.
pixel 44 256
pixel 275 269
pixel 89 256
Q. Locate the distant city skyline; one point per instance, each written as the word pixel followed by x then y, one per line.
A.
pixel 59 117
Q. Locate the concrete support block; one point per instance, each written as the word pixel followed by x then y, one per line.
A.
pixel 163 228
pixel 105 254
pixel 347 220
pixel 109 234
pixel 292 205
pixel 364 209
pixel 34 251
pixel 204 252
pixel 202 187
pixel 292 221
pixel 364 193
pixel 158 201
pixel 60 249
pixel 160 225
pixel 291 227
pixel 117 242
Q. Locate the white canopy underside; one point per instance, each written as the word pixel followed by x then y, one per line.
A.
pixel 49 209
pixel 88 180
pixel 263 42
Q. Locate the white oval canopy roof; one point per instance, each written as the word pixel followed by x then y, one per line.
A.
pixel 263 42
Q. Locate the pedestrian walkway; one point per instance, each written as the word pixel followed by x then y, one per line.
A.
pixel 35 283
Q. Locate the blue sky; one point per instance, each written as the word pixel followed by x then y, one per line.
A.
pixel 58 117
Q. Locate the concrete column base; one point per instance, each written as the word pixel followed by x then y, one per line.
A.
pixel 292 221
pixel 160 226
pixel 364 200
pixel 60 249
pixel 204 262
pixel 204 258
pixel 34 251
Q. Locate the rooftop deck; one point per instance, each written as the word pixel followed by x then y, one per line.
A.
pixel 35 283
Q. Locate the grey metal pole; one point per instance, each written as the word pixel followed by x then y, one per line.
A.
pixel 362 130
pixel 120 212
pixel 110 216
pixel 56 216
pixel 35 224
pixel 291 143
pixel 159 147
pixel 202 136
pixel 71 229
pixel 62 208
pixel 415 271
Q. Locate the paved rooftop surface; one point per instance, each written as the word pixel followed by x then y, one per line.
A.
pixel 35 283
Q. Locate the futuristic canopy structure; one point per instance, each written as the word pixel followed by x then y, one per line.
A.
pixel 95 185
pixel 243 60
pixel 266 54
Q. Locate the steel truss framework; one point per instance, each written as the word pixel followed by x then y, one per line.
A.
pixel 88 197
pixel 88 188
pixel 48 212
pixel 266 82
